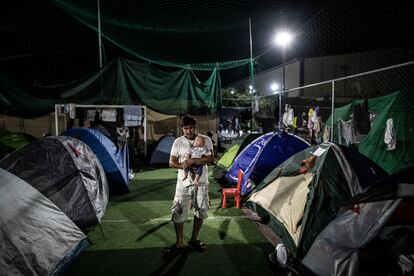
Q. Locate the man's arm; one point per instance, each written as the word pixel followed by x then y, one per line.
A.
pixel 205 160
pixel 174 162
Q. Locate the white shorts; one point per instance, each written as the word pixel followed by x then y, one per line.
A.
pixel 188 197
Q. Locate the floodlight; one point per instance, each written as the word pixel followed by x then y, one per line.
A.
pixel 283 39
pixel 274 87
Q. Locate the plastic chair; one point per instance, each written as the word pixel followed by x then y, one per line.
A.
pixel 232 192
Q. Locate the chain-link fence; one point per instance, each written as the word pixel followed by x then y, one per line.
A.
pixel 298 105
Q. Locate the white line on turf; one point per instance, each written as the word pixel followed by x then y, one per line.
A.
pixel 164 219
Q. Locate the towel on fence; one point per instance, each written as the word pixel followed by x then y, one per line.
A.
pixel 109 115
pixel 133 115
pixel 90 114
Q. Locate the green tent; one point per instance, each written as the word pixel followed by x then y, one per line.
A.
pixel 294 203
pixel 226 160
pixel 14 141
pixel 397 106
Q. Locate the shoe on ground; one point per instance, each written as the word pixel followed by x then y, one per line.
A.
pixel 198 245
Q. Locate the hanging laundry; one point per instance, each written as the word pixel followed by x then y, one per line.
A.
pixel 314 117
pixel 109 115
pixel 303 119
pixel 345 132
pixel 317 111
pixel 295 120
pixel 389 136
pixel 317 126
pixel 285 116
pixel 290 116
pixel 310 115
pixel 326 134
pixel 70 109
pixel 90 114
pixel 133 115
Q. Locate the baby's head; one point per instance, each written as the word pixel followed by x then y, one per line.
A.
pixel 199 141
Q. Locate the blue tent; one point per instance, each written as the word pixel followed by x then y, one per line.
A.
pixel 262 155
pixel 161 154
pixel 114 159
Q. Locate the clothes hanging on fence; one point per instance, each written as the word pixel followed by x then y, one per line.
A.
pixel 317 125
pixel 326 134
pixel 389 136
pixel 285 118
pixel 109 115
pixel 91 114
pixel 345 132
pixel 303 119
pixel 310 115
pixel 70 109
pixel 289 120
pixel 133 115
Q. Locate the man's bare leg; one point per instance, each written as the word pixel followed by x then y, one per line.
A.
pixel 179 233
pixel 196 228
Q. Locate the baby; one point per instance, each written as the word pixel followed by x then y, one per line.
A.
pixel 198 150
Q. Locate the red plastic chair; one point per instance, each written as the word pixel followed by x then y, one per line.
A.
pixel 232 192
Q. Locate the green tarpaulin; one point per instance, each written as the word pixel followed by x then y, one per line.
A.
pixel 120 82
pixel 395 106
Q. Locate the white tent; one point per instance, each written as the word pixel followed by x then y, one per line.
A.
pixel 36 237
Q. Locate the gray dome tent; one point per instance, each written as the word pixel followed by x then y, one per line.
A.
pixel 66 171
pixel 36 237
pixel 373 231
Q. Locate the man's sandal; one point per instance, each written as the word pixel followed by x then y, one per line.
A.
pixel 198 245
pixel 173 250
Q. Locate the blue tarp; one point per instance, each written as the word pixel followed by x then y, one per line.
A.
pixel 114 159
pixel 262 155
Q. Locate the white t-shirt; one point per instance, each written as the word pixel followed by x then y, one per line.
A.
pixel 180 149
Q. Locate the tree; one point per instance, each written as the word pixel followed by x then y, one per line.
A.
pixel 232 97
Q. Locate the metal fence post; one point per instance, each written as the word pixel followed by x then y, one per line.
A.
pixel 332 111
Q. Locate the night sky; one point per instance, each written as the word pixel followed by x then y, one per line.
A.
pixel 42 42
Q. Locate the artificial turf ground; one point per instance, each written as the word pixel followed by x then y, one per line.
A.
pixel 136 228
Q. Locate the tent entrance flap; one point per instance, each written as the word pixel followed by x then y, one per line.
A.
pixel 285 199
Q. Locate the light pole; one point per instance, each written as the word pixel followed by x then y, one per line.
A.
pixel 282 39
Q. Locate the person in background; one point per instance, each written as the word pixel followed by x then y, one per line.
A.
pixel 187 194
pixel 210 134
